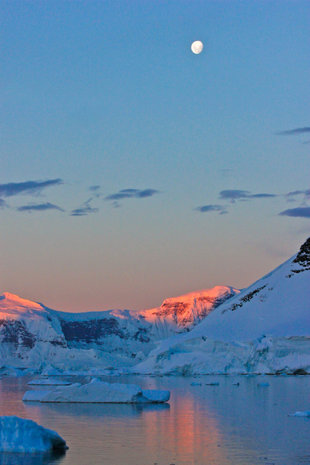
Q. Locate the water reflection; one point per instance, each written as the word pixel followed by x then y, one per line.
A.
pixel 218 425
pixel 96 412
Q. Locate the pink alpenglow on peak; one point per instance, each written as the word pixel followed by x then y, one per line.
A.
pixel 187 310
pixel 34 337
pixel 11 304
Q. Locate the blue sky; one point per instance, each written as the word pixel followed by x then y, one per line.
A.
pixel 148 162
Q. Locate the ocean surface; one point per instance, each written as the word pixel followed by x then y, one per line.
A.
pixel 225 424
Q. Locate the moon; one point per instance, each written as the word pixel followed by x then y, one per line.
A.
pixel 197 47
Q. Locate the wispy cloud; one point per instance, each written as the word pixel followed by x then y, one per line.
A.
pixel 299 212
pixel 234 195
pixel 291 196
pixel 85 209
pixel 294 132
pixel 94 188
pixel 212 208
pixel 95 191
pixel 27 187
pixel 39 207
pixel 131 194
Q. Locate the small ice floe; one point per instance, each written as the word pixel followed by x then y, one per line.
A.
pixel 213 384
pixel 20 435
pixel 195 384
pixel 98 391
pixel 48 382
pixel 263 384
pixel 34 396
pixel 305 413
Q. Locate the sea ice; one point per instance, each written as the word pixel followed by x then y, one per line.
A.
pixel 34 396
pixel 97 391
pixel 155 396
pixel 48 382
pixel 20 435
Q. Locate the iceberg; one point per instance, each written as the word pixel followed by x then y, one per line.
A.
pixel 20 435
pixel 97 391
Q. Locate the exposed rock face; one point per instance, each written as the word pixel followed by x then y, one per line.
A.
pixel 303 257
pixel 15 332
pixel 90 330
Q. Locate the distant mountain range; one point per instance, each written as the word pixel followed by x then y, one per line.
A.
pixel 264 328
pixel 33 336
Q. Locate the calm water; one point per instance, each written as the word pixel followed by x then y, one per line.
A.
pixel 204 425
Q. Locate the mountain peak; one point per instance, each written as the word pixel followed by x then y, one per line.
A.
pixel 14 303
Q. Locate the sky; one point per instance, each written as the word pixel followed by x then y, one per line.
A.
pixel 133 170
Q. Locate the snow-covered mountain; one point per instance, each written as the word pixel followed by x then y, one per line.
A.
pixel 262 329
pixel 265 329
pixel 32 336
pixel 178 314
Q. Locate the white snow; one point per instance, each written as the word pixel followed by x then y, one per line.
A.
pixel 264 329
pixel 97 391
pixel 37 339
pixel 20 435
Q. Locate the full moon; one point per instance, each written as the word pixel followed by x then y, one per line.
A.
pixel 197 47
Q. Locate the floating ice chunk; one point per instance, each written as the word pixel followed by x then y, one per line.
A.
pixel 306 413
pixel 20 435
pixel 98 391
pixel 34 396
pixel 156 396
pixel 48 382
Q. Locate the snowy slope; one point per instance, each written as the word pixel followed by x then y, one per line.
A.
pixel 34 336
pixel 264 328
pixel 184 312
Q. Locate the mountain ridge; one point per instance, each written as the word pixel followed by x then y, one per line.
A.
pixel 114 337
pixel 265 328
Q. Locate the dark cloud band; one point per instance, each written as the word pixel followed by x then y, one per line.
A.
pixel 39 207
pixel 212 208
pixel 294 132
pixel 27 187
pixel 132 194
pixel 236 194
pixel 299 212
